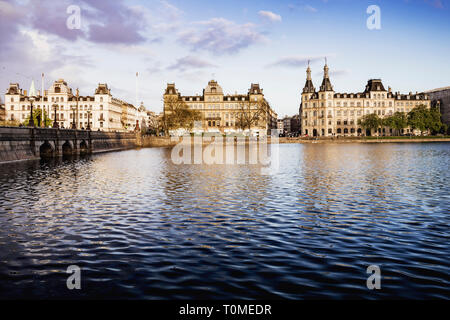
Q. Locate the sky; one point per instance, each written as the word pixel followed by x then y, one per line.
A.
pixel 234 42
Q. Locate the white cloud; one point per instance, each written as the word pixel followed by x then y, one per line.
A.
pixel 190 62
pixel 297 61
pixel 309 8
pixel 269 16
pixel 220 36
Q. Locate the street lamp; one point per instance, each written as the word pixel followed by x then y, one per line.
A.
pixel 78 98
pixel 55 123
pixel 31 121
pixel 89 123
pixel 74 125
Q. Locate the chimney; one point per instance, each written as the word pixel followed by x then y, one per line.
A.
pixel 390 89
pixel 39 92
pixel 25 92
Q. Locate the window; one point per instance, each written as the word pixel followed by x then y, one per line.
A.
pixel 12 99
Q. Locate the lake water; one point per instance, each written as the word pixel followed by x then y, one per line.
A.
pixel 141 227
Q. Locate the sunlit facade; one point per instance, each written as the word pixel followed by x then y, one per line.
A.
pixel 327 113
pixel 220 112
pixel 104 112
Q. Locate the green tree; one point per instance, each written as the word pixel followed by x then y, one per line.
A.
pixel 397 121
pixel 423 119
pixel 38 112
pixel 370 122
pixel 434 121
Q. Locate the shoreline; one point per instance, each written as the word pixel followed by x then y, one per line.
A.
pixel 363 140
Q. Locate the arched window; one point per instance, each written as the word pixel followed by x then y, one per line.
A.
pixel 345 131
pixel 339 131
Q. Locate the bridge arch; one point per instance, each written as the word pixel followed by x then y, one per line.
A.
pixel 46 150
pixel 67 148
pixel 84 148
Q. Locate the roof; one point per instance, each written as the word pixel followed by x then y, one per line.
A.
pixel 374 85
pixel 438 89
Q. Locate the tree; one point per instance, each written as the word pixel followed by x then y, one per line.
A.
pixel 252 114
pixel 370 121
pixel 434 121
pixel 397 121
pixel 177 115
pixel 38 112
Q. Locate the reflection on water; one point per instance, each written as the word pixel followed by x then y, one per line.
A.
pixel 142 227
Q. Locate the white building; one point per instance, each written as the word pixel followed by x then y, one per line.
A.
pixel 103 110
pixel 326 113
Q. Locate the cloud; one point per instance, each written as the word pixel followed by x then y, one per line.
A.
pixel 435 3
pixel 334 73
pixel 190 62
pixel 220 36
pixel 117 23
pixel 102 22
pixel 309 8
pixel 269 16
pixel 296 61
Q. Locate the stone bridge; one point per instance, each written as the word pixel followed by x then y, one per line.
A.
pixel 28 143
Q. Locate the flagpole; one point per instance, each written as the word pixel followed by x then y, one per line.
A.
pixel 42 96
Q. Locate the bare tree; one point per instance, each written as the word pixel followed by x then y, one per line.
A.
pixel 177 115
pixel 252 114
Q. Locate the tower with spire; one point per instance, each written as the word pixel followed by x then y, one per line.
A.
pixel 326 83
pixel 309 86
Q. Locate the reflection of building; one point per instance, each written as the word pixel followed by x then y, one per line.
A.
pixel 220 112
pixel 441 97
pixel 326 113
pixel 103 110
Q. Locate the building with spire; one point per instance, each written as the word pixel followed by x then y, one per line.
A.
pixel 326 113
pixel 220 112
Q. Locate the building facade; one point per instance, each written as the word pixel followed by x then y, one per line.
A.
pixel 220 112
pixel 441 98
pixel 326 113
pixel 101 110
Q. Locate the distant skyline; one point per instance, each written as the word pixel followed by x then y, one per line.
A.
pixel 236 42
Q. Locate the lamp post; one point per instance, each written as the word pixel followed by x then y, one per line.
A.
pixel 78 98
pixel 31 121
pixel 55 123
pixel 89 121
pixel 74 125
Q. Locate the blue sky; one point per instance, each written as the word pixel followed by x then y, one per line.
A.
pixel 236 42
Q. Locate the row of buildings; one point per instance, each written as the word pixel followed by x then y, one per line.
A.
pixel 101 111
pixel 322 112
